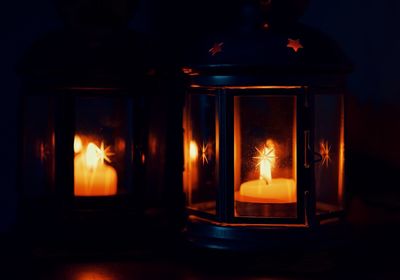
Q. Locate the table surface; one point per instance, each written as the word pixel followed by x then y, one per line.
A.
pixel 371 252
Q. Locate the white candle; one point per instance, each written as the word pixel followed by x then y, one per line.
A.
pixel 92 177
pixel 267 189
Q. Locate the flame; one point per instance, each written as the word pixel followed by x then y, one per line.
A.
pixel 266 160
pixel 92 155
pixel 193 150
pixel 77 144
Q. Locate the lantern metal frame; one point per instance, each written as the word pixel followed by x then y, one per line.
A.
pixel 227 74
pixel 69 64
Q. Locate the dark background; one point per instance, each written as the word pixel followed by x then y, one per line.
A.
pixel 367 30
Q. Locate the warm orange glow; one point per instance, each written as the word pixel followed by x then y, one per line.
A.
pixel 267 189
pixel 92 274
pixel 341 154
pixel 193 151
pixel 266 161
pixel 92 177
pixel 77 144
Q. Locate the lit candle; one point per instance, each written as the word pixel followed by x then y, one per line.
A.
pixel 267 189
pixel 92 177
pixel 194 168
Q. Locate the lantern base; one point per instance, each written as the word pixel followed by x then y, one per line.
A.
pixel 202 233
pixel 269 210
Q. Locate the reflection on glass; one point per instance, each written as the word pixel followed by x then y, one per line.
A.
pixel 200 152
pixel 265 156
pixel 329 135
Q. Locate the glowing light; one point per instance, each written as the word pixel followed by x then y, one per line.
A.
pixel 204 154
pixel 266 160
pixel 92 177
pixel 104 154
pixel 91 156
pixel 266 189
pixel 77 144
pixel 324 150
pixel 193 150
pixel 217 48
pixel 295 45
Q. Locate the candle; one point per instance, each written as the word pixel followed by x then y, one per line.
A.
pixel 194 168
pixel 279 190
pixel 267 189
pixel 92 177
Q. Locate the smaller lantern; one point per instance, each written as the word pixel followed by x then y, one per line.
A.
pixel 264 136
pixel 95 135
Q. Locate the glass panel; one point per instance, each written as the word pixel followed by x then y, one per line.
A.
pixel 329 144
pixel 265 156
pixel 102 153
pixel 201 158
pixel 38 155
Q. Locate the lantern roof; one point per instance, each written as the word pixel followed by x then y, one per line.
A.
pixel 112 58
pixel 297 49
pixel 266 38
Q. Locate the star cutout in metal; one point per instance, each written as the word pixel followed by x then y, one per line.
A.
pixel 217 48
pixel 325 150
pixel 294 44
pixel 204 154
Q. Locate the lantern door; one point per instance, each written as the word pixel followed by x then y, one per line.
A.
pixel 245 153
pixel 270 140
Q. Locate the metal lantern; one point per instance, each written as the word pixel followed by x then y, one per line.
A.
pixel 264 135
pixel 95 139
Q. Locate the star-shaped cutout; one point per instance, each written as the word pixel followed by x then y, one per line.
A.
pixel 104 153
pixel 294 44
pixel 217 48
pixel 204 153
pixel 325 150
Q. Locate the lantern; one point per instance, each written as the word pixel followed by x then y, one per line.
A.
pixel 95 145
pixel 264 134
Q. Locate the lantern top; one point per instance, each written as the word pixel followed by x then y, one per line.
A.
pixel 267 41
pixel 295 49
pixel 78 59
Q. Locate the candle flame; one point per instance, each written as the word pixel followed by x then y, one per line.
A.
pixel 77 144
pixel 92 156
pixel 95 155
pixel 266 160
pixel 193 150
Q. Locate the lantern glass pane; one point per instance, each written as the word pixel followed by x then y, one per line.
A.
pixel 103 146
pixel 329 144
pixel 201 156
pixel 265 156
pixel 38 150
